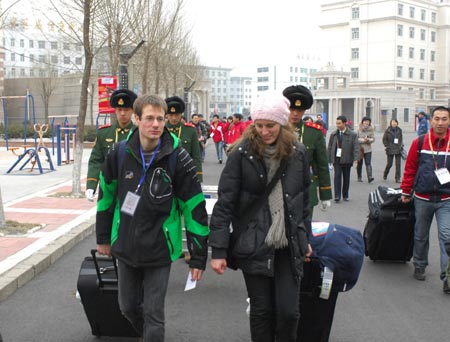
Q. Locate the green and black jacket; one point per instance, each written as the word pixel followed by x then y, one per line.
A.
pixel 153 235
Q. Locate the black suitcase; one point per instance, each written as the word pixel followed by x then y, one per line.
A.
pixel 316 314
pixel 97 286
pixel 389 231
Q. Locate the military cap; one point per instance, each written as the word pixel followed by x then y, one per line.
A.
pixel 299 96
pixel 122 98
pixel 175 105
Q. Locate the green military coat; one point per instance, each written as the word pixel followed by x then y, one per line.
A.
pixel 187 134
pixel 310 134
pixel 107 135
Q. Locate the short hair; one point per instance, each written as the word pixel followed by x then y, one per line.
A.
pixel 394 120
pixel 440 108
pixel 319 116
pixel 238 116
pixel 343 118
pixel 195 115
pixel 153 100
pixel 216 116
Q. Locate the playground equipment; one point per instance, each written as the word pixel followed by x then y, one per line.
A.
pixel 29 154
pixel 67 141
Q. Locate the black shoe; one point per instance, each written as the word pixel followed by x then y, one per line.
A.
pixel 446 288
pixel 419 273
pixel 337 199
pixel 371 179
pixel 384 177
pixel 220 161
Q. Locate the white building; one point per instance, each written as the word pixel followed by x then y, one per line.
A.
pixel 391 44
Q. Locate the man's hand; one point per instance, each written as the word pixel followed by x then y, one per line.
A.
pixel 104 249
pixel 196 274
pixel 219 265
pixel 89 195
pixel 406 199
pixel 324 205
pixel 308 255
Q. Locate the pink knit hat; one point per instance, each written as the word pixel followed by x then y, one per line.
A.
pixel 271 106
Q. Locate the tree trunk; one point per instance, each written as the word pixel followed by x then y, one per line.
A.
pixel 2 212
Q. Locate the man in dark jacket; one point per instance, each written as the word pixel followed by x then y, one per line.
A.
pixel 143 187
pixel 343 151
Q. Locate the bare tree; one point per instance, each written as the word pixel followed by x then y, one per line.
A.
pixel 48 84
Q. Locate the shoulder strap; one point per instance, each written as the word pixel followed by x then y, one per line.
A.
pixel 121 154
pixel 420 143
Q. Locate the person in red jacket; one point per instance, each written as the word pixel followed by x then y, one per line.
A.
pixel 427 178
pixel 216 132
pixel 236 129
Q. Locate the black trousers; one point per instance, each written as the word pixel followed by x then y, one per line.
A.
pixel 341 180
pixel 274 309
pixel 367 159
pixel 390 159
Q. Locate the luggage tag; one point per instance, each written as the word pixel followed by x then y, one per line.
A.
pixel 319 228
pixel 327 283
pixel 338 152
pixel 443 175
pixel 396 141
pixel 130 203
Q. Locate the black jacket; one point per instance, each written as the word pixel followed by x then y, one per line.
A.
pixel 241 183
pixel 388 140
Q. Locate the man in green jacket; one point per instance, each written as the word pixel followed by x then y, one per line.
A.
pixel 122 101
pixel 186 132
pixel 310 134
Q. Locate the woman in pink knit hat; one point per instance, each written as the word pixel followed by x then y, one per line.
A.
pixel 263 194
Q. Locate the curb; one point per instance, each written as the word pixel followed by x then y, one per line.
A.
pixel 28 269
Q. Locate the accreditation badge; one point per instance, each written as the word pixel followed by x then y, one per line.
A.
pixel 443 175
pixel 395 141
pixel 130 204
pixel 338 152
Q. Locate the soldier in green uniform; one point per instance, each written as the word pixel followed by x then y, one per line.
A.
pixel 310 134
pixel 122 101
pixel 186 132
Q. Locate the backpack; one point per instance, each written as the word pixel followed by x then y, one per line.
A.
pixel 341 249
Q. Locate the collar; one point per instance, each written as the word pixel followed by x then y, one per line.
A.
pixel 435 138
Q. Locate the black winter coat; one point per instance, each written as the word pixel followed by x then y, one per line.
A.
pixel 241 183
pixel 388 140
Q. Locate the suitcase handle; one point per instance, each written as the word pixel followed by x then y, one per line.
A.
pixel 97 269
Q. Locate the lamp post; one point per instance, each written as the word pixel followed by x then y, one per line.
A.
pixel 188 97
pixel 123 66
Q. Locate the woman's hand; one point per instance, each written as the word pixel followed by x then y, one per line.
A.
pixel 219 265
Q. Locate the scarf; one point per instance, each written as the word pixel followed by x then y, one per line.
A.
pixel 276 236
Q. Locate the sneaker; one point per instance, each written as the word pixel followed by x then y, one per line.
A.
pixel 446 288
pixel 220 161
pixel 371 179
pixel 419 273
pixel 360 179
pixel 346 199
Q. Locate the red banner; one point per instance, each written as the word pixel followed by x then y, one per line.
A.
pixel 106 86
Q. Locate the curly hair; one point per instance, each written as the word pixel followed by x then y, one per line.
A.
pixel 284 142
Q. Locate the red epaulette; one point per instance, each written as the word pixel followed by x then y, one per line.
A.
pixel 313 125
pixel 189 124
pixel 104 126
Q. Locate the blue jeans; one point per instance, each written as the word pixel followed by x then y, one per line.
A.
pixel 219 150
pixel 142 292
pixel 425 211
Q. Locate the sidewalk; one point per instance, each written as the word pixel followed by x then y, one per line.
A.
pixel 31 198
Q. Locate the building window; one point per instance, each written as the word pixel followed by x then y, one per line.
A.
pixel 411 72
pixel 433 56
pixel 355 33
pixel 31 57
pixel 296 69
pixel 423 15
pixel 13 57
pixel 411 52
pixel 406 115
pixel 399 51
pixel 66 60
pixel 31 43
pixel 54 45
pixel 54 73
pixel 31 72
pixel 412 11
pixel 355 13
pixel 433 17
pixel 22 57
pixel 66 46
pixel 78 48
pixel 263 79
pixel 400 9
pixel 42 73
pixel 422 54
pixel 22 44
pixel 291 79
pixel 432 94
pixel 432 75
pixel 78 61
pixel 433 36
pixel 355 73
pixel 423 34
pixel 42 59
pixel 22 72
pixel 304 70
pixel 422 74
pixel 399 71
pixel 411 32
pixel 12 42
pixel 355 53
pixel 265 69
pixel 41 44
pixel 263 88
pixel 54 59
pixel 13 72
pixel 421 93
pixel 400 30
pixel 291 68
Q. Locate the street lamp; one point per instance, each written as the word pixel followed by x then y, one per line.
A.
pixel 123 66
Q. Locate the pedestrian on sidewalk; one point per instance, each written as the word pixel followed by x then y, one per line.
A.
pixel 264 194
pixel 122 101
pixel 426 177
pixel 217 133
pixel 366 138
pixel 145 187
pixel 393 142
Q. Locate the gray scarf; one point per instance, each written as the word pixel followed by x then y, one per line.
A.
pixel 276 236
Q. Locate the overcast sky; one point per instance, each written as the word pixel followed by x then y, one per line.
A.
pixel 243 33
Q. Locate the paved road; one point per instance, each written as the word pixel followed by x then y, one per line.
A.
pixel 387 304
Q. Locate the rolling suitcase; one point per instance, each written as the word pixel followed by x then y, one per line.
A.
pixel 316 314
pixel 389 231
pixel 97 286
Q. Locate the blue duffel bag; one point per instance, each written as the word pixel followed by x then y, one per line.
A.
pixel 341 249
